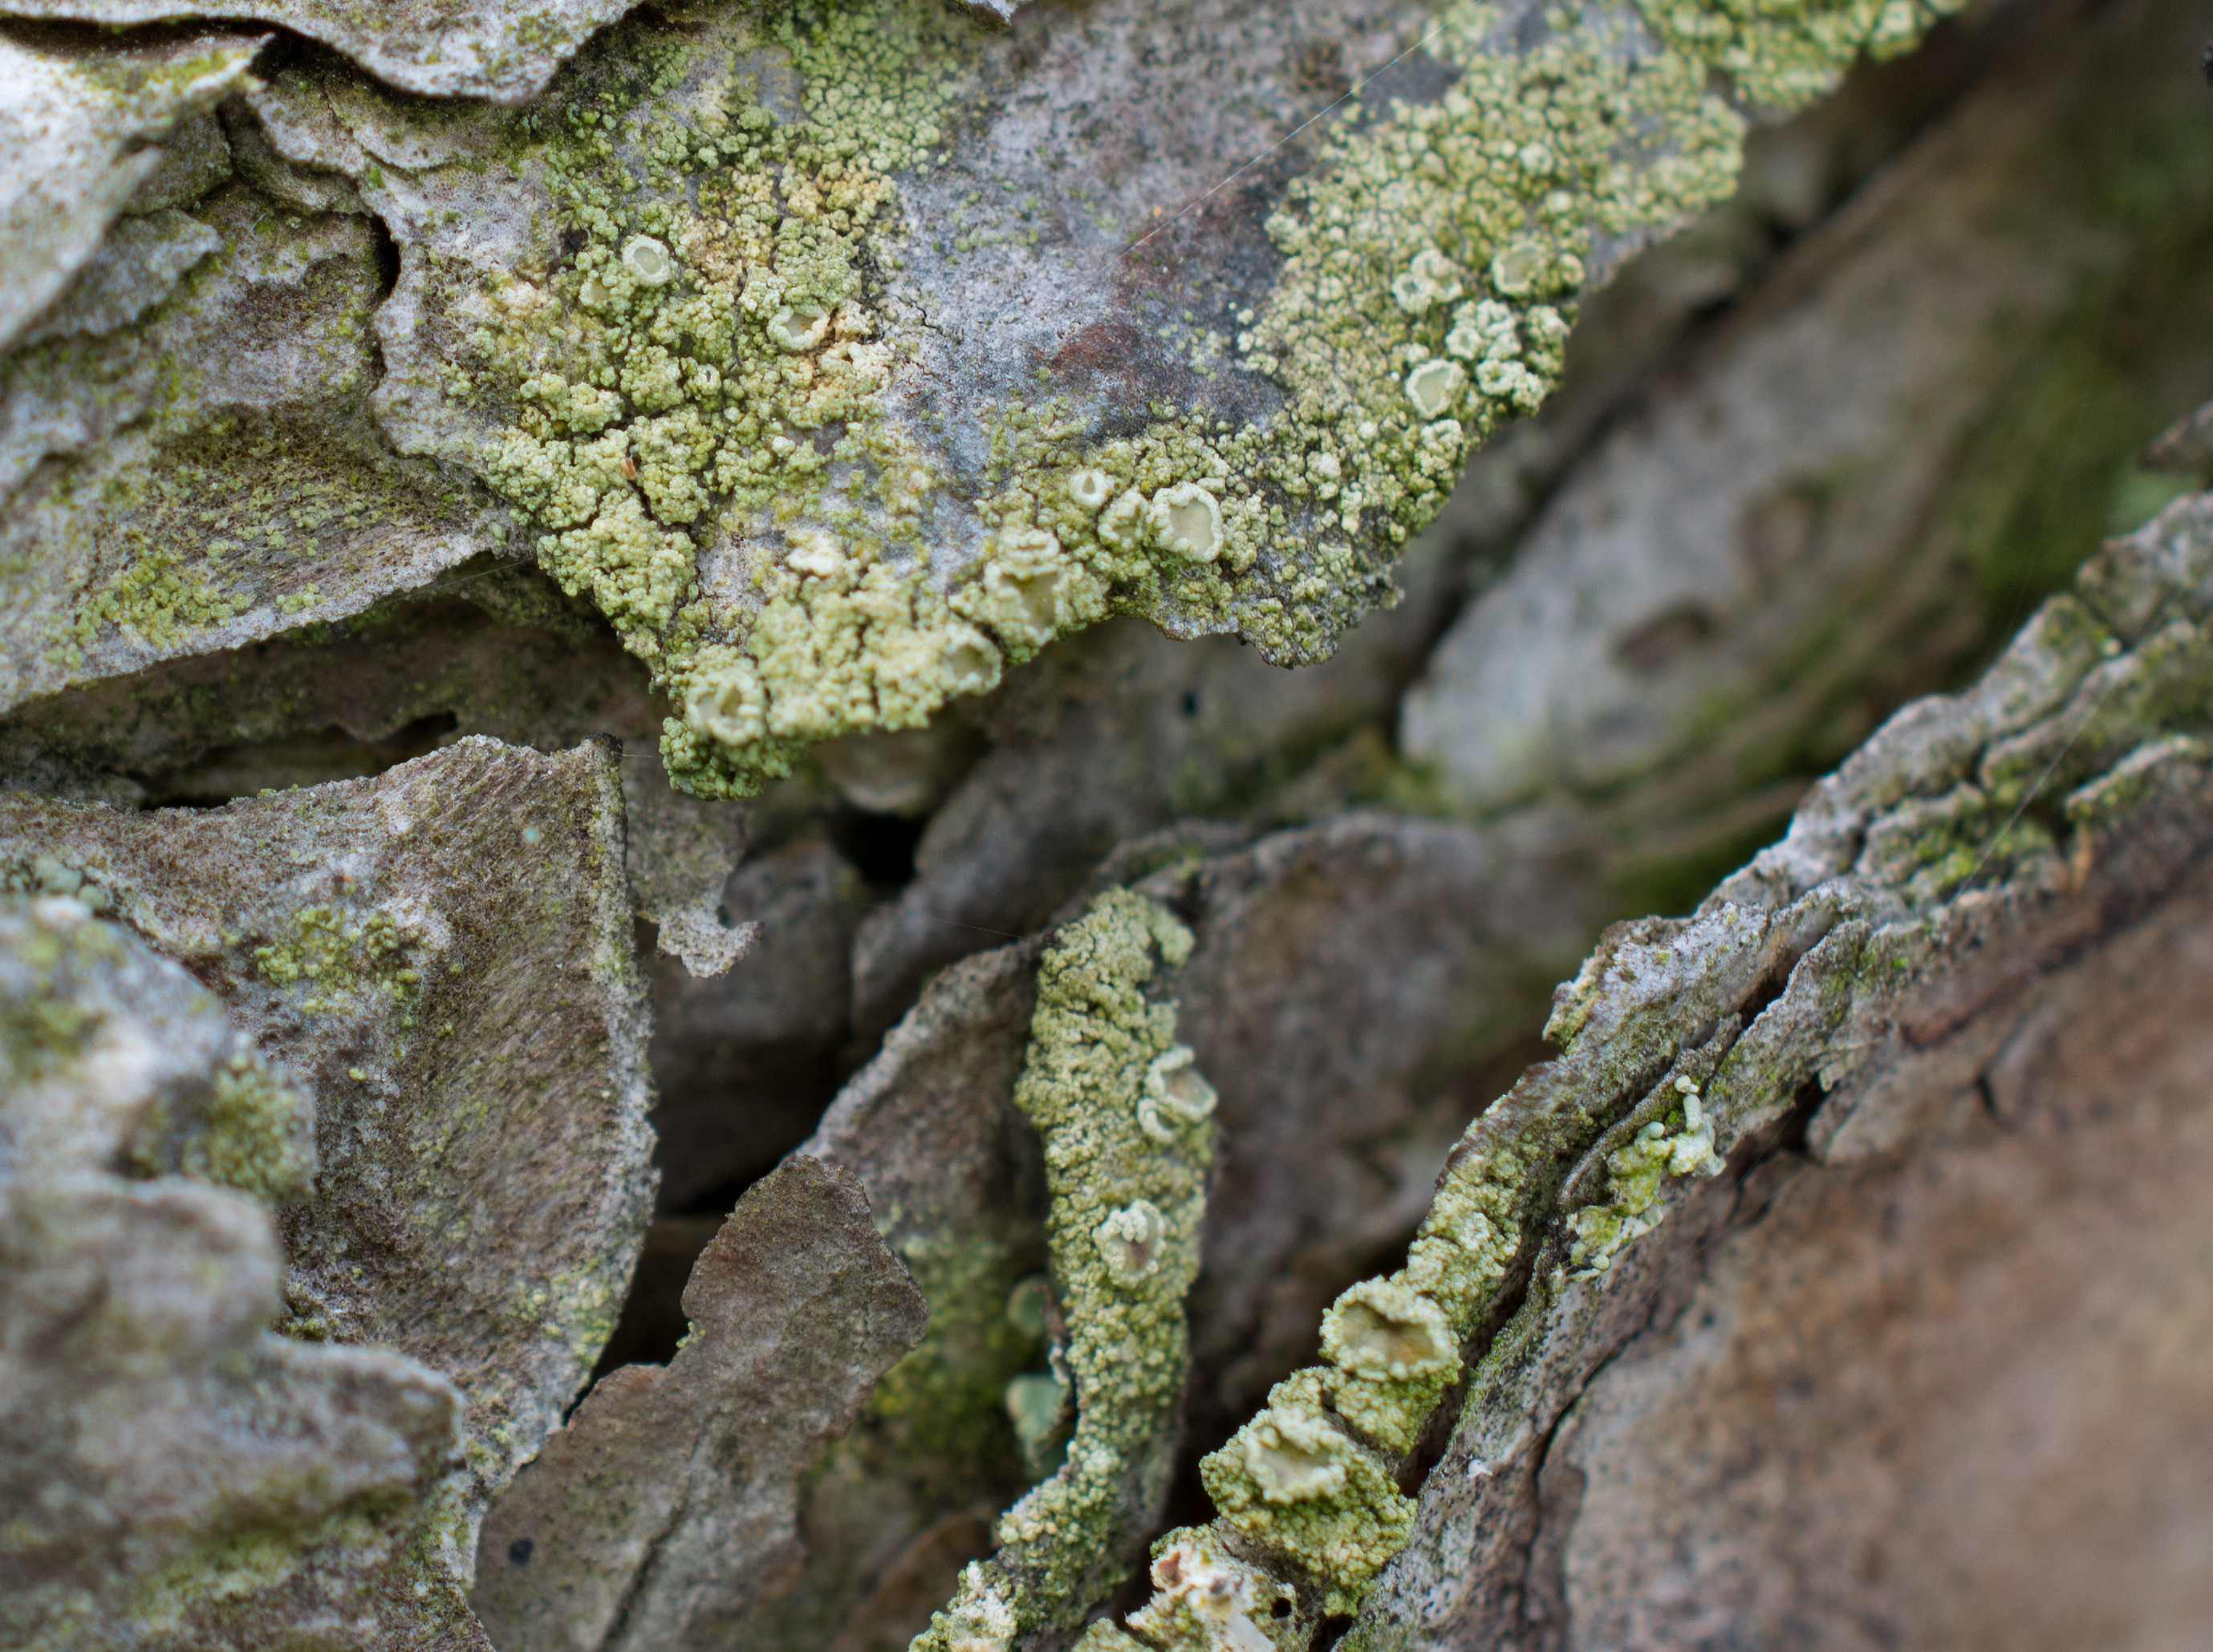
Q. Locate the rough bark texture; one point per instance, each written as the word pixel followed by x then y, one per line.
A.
pixel 393 409
pixel 664 1512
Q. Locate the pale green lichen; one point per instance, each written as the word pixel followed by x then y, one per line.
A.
pixel 158 598
pixel 941 1408
pixel 337 959
pixel 1781 57
pixel 252 1131
pixel 1295 1484
pixel 711 369
pixel 1400 1352
pixel 51 874
pixel 1206 1600
pixel 1680 1145
pixel 240 1567
pixel 1124 1225
pixel 44 1025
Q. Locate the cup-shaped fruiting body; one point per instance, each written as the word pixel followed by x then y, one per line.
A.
pixel 1030 590
pixel 1434 387
pixel 1206 1598
pixel 932 664
pixel 1038 1405
pixel 1122 524
pixel 798 328
pixel 1385 1331
pixel 1294 1457
pixel 1129 1241
pixel 1188 520
pixel 1029 1306
pixel 1176 1094
pixel 1524 267
pixel 1429 281
pixel 1090 488
pixel 725 701
pixel 649 260
pixel 814 550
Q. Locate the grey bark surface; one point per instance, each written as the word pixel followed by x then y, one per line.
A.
pixel 1911 998
pixel 151 1417
pixel 1922 1365
pixel 665 1510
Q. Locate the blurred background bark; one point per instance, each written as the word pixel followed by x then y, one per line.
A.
pixel 1820 453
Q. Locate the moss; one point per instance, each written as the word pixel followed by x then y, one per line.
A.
pixel 1123 1228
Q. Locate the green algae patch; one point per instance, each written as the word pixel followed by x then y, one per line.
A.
pixel 942 1407
pixel 1125 1119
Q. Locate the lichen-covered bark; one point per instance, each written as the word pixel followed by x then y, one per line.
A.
pixel 665 1510
pixel 176 1472
pixel 1926 939
pixel 1858 437
pixel 752 332
pixel 442 957
pixel 712 330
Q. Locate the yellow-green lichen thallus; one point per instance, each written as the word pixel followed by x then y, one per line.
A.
pixel 1307 1489
pixel 720 427
pixel 1126 1119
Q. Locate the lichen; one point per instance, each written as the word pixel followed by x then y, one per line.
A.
pixel 252 1130
pixel 942 1409
pixel 50 874
pixel 1123 1228
pixel 337 958
pixel 1205 1600
pixel 1294 1484
pixel 698 396
pixel 1680 1145
pixel 44 1024
pixel 1781 57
